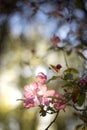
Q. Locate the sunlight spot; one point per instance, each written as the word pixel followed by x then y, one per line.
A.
pixel 40 69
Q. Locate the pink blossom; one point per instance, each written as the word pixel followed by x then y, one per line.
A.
pixel 36 94
pixel 28 102
pixel 55 40
pixel 41 78
pixel 47 97
pixel 53 97
pixel 60 103
pixel 30 90
pixel 30 95
pixel 51 93
pixel 33 94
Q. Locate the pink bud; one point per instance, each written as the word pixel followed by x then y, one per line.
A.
pixel 58 66
pixel 41 78
pixel 55 40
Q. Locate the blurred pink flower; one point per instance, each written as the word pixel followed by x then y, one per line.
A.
pixel 33 94
pixel 41 78
pixel 47 97
pixel 28 102
pixel 50 93
pixel 55 40
pixel 36 94
pixel 60 103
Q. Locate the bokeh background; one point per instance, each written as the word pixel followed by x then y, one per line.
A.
pixel 26 27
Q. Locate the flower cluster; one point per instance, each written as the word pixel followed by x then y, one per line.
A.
pixel 36 94
pixel 49 101
pixel 83 81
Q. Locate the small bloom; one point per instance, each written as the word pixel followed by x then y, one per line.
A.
pixel 83 81
pixel 41 78
pixel 30 95
pixel 55 40
pixel 34 92
pixel 28 102
pixel 60 103
pixel 48 97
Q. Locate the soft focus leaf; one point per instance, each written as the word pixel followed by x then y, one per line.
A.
pixel 76 78
pixel 68 84
pixel 53 78
pixel 20 100
pixel 79 4
pixel 81 99
pixel 71 70
pixel 78 127
pixel 68 76
pixel 74 94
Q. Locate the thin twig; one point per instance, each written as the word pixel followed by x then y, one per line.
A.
pixel 65 59
pixel 52 121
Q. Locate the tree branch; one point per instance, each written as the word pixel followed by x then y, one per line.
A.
pixel 52 121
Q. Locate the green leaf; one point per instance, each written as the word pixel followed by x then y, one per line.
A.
pixel 68 84
pixel 80 99
pixel 53 78
pixel 20 100
pixel 71 70
pixel 68 76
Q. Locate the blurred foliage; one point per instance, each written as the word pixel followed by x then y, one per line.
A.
pixel 18 119
pixel 28 9
pixel 20 61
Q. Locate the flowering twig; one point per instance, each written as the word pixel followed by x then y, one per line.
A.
pixel 50 101
pixel 52 121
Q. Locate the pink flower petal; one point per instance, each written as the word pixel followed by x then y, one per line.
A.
pixel 51 93
pixel 26 87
